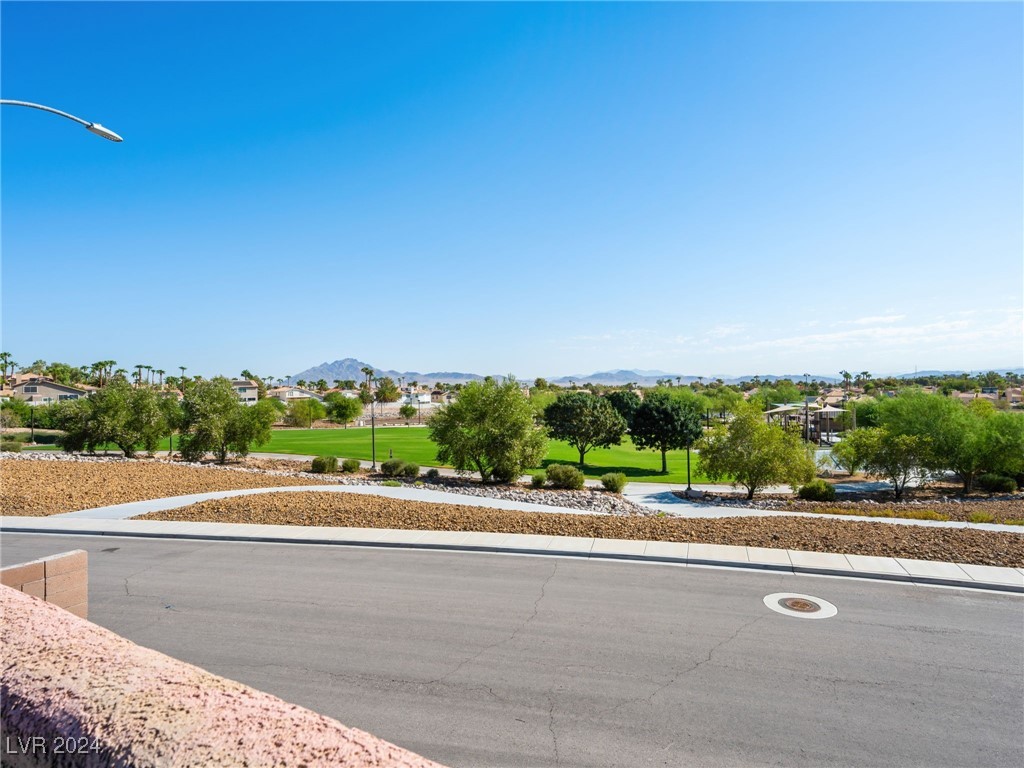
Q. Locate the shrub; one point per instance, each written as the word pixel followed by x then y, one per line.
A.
pixel 410 470
pixel 433 474
pixel 21 437
pixel 392 484
pixel 997 483
pixel 981 517
pixel 817 490
pixel 392 467
pixel 614 482
pixel 10 445
pixel 324 465
pixel 538 480
pixel 566 477
pixel 350 465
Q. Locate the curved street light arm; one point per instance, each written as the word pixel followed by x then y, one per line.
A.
pixel 96 128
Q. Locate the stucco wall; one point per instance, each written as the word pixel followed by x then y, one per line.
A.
pixel 69 683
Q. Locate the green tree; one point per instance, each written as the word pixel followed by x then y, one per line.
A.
pixel 120 414
pixel 755 454
pixel 214 420
pixel 304 411
pixel 172 413
pixel 895 457
pixel 60 372
pixel 490 429
pixel 73 418
pixel 625 402
pixel 387 390
pixel 966 440
pixel 664 423
pixel 341 409
pixel 407 411
pixel 1003 443
pixel 584 421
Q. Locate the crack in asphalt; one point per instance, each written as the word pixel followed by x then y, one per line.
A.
pixel 692 668
pixel 551 727
pixel 511 637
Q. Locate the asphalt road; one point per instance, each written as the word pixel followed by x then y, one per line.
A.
pixel 489 660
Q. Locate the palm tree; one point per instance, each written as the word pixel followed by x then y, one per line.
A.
pixel 321 385
pixel 846 380
pixel 149 373
pixel 138 374
pixel 160 372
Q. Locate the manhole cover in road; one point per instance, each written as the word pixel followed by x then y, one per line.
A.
pixel 799 604
pixel 802 606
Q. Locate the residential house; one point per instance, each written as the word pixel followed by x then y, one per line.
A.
pixel 247 390
pixel 288 394
pixel 416 398
pixel 40 390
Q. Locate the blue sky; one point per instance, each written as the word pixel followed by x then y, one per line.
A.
pixel 707 189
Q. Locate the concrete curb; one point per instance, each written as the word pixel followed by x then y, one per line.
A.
pixel 918 572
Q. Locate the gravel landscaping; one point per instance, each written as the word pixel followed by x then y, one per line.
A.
pixel 64 480
pixel 62 483
pixel 847 537
pixel 934 506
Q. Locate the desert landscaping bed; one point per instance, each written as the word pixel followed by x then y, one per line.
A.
pixel 31 491
pixel 977 509
pixel 847 537
pixel 40 487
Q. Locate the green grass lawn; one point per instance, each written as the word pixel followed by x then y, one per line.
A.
pixel 413 444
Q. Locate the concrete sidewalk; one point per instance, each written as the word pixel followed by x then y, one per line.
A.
pixel 922 572
pixel 136 508
pixel 660 501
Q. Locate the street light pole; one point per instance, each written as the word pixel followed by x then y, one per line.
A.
pixel 373 432
pixel 96 128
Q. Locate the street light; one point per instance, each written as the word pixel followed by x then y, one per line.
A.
pixel 373 432
pixel 96 128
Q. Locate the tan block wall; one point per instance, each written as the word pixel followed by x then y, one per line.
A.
pixel 61 579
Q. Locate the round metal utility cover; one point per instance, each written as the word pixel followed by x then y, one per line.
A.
pixel 800 606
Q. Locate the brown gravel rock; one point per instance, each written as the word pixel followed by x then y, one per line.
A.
pixel 937 507
pixel 847 537
pixel 47 487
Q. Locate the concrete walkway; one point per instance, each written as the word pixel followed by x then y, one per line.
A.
pixel 904 570
pixel 659 500
pixel 666 501
pixel 136 508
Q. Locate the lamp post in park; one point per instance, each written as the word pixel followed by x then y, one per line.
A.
pixel 96 128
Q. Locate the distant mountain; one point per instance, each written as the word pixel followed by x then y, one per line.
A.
pixel 350 368
pixel 957 372
pixel 620 377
